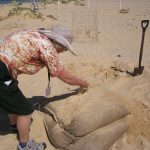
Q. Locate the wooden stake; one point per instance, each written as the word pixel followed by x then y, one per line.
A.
pixel 58 4
pixel 88 4
pixel 120 5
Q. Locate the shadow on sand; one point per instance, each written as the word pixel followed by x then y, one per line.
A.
pixel 38 103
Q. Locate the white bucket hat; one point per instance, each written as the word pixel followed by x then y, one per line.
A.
pixel 60 34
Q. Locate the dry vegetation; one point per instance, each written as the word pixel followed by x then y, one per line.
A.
pixel 76 2
pixel 16 11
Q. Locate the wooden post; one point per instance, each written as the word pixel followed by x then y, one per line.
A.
pixel 120 5
pixel 58 4
pixel 88 4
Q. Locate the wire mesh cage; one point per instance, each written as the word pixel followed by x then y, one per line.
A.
pixel 84 26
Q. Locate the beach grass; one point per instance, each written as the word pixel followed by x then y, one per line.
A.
pixel 76 2
pixel 17 10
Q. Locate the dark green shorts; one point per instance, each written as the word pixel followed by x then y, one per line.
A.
pixel 12 101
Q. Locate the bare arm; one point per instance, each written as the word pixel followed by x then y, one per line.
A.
pixel 72 80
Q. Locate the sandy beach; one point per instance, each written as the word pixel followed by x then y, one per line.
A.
pixel 106 58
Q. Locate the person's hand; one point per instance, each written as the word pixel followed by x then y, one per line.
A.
pixel 83 87
pixel 84 84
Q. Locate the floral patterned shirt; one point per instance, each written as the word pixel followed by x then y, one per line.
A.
pixel 27 52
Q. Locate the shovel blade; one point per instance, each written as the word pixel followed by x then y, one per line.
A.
pixel 138 71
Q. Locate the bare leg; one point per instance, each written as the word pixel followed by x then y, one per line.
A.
pixel 13 119
pixel 23 125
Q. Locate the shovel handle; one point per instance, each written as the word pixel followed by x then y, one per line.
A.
pixel 144 24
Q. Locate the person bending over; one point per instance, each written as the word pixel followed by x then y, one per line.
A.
pixel 26 52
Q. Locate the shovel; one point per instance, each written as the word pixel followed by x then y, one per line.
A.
pixel 139 70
